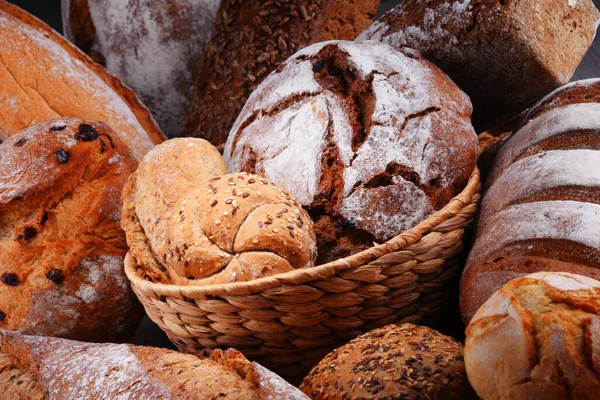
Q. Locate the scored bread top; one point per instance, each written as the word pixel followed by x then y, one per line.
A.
pixel 44 76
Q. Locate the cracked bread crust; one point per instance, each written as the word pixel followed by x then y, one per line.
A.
pixel 368 139
pixel 61 264
pixel 250 38
pixel 44 76
pixel 537 337
pixel 492 48
pixel 56 369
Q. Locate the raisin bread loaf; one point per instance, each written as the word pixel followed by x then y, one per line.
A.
pixel 504 54
pixel 61 264
pixel 250 38
pixel 370 140
pixel 44 76
pixel 154 46
pixel 42 368
pixel 541 209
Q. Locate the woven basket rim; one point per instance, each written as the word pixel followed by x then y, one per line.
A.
pixel 300 276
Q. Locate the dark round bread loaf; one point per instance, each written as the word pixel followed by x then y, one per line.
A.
pixel 61 264
pixel 370 140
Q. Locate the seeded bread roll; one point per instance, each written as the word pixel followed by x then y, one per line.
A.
pixel 370 140
pixel 537 338
pixel 44 76
pixel 42 368
pixel 398 362
pixel 250 38
pixel 492 49
pixel 61 264
pixel 154 46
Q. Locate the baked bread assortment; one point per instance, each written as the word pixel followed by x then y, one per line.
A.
pixel 188 222
pixel 394 362
pixel 61 264
pixel 541 209
pixel 40 368
pixel 504 54
pixel 370 140
pixel 537 338
pixel 154 46
pixel 44 76
pixel 250 38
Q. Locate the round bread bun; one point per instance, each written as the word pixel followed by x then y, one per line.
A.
pixel 62 250
pixel 537 338
pixel 394 362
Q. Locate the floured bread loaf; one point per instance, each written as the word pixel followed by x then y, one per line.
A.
pixel 42 368
pixel 370 140
pixel 154 46
pixel 61 264
pixel 43 76
pixel 541 209
pixel 537 338
pixel 188 223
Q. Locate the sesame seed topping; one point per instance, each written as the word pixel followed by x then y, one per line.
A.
pixel 245 195
pixel 213 203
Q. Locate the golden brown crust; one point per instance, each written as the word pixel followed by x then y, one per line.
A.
pixel 44 77
pixel 260 35
pixel 61 264
pixel 537 337
pixel 397 361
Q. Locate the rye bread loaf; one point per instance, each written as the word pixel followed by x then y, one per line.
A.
pixel 504 54
pixel 188 223
pixel 42 368
pixel 541 208
pixel 154 46
pixel 538 337
pixel 368 139
pixel 61 264
pixel 250 38
pixel 44 76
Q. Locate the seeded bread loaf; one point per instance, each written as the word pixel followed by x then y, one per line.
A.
pixel 42 368
pixel 541 208
pixel 154 46
pixel 250 38
pixel 211 228
pixel 537 338
pixel 61 264
pixel 370 140
pixel 394 362
pixel 43 76
pixel 504 54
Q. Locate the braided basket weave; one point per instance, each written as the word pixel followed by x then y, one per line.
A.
pixel 289 321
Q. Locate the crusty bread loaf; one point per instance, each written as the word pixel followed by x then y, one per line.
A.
pixel 61 264
pixel 42 368
pixel 250 38
pixel 537 338
pixel 541 209
pixel 394 362
pixel 504 54
pixel 43 76
pixel 154 46
pixel 369 140
pixel 188 223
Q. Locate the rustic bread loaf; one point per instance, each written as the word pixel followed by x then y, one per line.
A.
pixel 56 369
pixel 43 76
pixel 250 38
pixel 154 46
pixel 504 54
pixel 368 139
pixel 210 227
pixel 394 362
pixel 537 338
pixel 541 209
pixel 61 264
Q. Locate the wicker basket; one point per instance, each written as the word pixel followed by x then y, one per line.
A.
pixel 291 320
